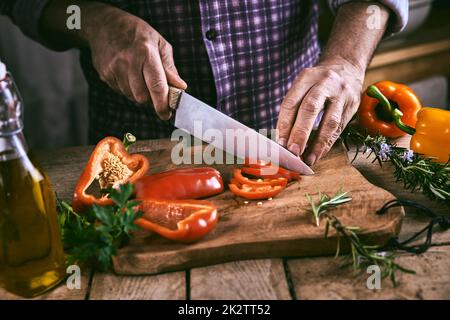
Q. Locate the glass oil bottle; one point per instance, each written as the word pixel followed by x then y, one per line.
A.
pixel 31 252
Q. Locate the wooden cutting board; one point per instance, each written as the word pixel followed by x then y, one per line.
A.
pixel 282 227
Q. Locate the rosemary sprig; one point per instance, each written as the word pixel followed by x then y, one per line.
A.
pixel 415 171
pixel 361 254
pixel 325 203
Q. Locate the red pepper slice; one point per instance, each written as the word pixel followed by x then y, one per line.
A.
pixel 237 174
pixel 255 192
pixel 188 183
pixel 111 165
pixel 256 163
pixel 267 172
pixel 179 220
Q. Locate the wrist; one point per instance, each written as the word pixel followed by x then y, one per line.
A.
pixel 95 17
pixel 349 66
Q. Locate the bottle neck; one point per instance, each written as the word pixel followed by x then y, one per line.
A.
pixel 11 107
pixel 13 146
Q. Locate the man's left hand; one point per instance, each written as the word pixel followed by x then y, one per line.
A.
pixel 333 86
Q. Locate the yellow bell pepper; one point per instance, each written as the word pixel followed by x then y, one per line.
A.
pixel 432 134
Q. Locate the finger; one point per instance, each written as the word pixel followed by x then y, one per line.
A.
pixel 156 82
pixel 329 131
pixel 138 87
pixel 289 107
pixel 171 71
pixel 120 74
pixel 308 111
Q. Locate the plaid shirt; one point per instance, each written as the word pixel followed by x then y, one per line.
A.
pixel 239 55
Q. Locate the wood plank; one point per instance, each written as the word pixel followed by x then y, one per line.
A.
pixel 241 280
pixel 61 292
pixel 407 53
pixel 278 228
pixel 411 70
pixel 108 286
pixel 322 278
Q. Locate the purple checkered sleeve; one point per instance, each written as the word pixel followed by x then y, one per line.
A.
pixel 240 56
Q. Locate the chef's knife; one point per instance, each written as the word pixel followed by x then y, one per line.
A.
pixel 191 112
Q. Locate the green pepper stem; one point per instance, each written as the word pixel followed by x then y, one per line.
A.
pixel 373 92
pixel 128 140
pixel 397 114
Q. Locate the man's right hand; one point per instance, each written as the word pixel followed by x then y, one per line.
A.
pixel 132 57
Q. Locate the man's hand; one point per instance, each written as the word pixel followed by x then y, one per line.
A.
pixel 333 86
pixel 128 54
pixel 135 60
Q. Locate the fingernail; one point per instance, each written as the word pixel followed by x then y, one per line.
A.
pixel 282 142
pixel 310 159
pixel 294 148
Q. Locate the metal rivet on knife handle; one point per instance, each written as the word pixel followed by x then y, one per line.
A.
pixel 174 97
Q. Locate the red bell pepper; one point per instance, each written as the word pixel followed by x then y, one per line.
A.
pixel 179 220
pixel 189 183
pixel 111 165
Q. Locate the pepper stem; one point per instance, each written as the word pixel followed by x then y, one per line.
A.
pixel 373 92
pixel 128 140
pixel 397 115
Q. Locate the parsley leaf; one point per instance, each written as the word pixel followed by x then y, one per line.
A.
pixel 94 237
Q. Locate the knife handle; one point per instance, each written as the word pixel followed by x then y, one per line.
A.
pixel 174 97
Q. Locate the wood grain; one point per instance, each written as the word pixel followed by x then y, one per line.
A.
pixel 108 286
pixel 278 228
pixel 323 278
pixel 241 280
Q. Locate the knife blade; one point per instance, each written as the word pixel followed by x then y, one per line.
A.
pixel 197 118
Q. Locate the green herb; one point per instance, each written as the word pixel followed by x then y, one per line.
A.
pixel 94 237
pixel 415 171
pixel 361 254
pixel 326 202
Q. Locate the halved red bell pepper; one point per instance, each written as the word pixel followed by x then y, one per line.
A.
pixel 111 165
pixel 188 183
pixel 254 192
pixel 179 220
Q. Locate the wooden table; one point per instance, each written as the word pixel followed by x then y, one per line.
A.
pixel 289 278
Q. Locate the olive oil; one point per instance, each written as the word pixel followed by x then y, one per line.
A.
pixel 31 253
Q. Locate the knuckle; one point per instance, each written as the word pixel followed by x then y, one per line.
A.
pixel 345 86
pixel 311 106
pixel 165 46
pixel 283 126
pixel 334 123
pixel 331 74
pixel 140 98
pixel 289 104
pixel 157 85
pixel 300 134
